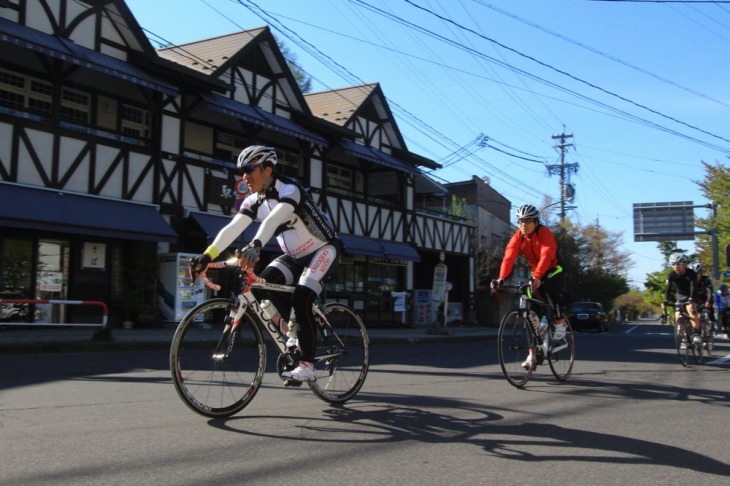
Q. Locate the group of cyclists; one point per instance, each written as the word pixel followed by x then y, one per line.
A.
pixel 695 291
pixel 311 251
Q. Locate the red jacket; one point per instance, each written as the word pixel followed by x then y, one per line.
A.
pixel 539 248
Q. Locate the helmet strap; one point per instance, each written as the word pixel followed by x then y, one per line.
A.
pixel 267 180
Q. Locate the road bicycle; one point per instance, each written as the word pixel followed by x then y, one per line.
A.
pixel 683 336
pixel 707 328
pixel 520 335
pixel 218 351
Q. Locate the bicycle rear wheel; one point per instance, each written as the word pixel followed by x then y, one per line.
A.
pixel 343 356
pixel 561 354
pixel 515 341
pixel 215 371
pixel 682 342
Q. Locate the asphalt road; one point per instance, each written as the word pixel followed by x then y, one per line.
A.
pixel 427 414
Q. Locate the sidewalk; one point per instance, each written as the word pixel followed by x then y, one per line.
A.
pixel 15 339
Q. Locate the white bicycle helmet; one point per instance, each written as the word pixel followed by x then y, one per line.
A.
pixel 257 155
pixel 697 267
pixel 528 211
pixel 677 258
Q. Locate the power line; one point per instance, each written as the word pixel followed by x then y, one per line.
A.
pixel 565 73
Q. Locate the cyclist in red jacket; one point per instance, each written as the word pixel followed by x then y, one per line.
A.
pixel 537 244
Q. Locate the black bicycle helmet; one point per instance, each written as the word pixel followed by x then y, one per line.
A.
pixel 528 211
pixel 677 258
pixel 257 155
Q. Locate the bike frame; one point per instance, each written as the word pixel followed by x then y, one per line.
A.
pixel 247 300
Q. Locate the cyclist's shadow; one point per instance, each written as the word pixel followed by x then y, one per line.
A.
pixel 400 418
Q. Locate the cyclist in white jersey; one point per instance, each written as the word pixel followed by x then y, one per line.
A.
pixel 309 242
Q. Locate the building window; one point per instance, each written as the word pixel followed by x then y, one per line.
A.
pixel 290 163
pixel 339 178
pixel 228 146
pixel 135 121
pixel 75 106
pixel 23 93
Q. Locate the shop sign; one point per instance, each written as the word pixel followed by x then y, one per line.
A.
pixel 94 255
pixel 50 281
pixel 221 191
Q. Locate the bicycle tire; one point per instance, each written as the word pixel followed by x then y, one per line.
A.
pixel 697 349
pixel 680 336
pixel 515 340
pixel 708 335
pixel 216 386
pixel 561 354
pixel 342 359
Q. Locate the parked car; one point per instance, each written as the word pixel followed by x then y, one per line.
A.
pixel 588 315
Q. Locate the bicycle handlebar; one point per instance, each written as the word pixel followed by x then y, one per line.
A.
pixel 249 277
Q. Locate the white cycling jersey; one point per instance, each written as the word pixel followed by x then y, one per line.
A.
pixel 285 211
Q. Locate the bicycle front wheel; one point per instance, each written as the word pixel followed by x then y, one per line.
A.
pixel 696 349
pixel 708 336
pixel 561 354
pixel 681 342
pixel 215 371
pixel 342 358
pixel 515 342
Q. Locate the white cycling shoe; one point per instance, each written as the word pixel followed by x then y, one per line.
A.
pixel 304 372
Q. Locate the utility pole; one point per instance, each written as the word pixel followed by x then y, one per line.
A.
pixel 563 170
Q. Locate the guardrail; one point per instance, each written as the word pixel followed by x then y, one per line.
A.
pixel 104 309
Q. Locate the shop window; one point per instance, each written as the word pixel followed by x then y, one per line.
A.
pixel 16 266
pixel 348 278
pixel 51 279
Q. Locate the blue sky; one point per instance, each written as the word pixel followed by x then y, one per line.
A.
pixel 641 86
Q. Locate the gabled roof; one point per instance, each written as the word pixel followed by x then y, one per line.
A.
pixel 209 55
pixel 339 105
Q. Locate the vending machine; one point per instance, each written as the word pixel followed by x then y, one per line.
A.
pixel 176 293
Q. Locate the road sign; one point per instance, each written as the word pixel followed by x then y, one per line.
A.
pixel 664 221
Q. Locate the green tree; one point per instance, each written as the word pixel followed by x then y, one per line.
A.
pixel 458 206
pixel 594 265
pixel 303 79
pixel 716 188
pixel 633 305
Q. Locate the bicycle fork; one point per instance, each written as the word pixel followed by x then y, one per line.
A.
pixel 228 336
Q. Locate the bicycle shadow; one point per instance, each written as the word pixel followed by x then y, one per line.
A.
pixel 389 419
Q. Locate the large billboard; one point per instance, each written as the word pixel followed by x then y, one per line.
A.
pixel 664 221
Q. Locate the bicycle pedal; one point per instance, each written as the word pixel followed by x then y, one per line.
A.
pixel 293 383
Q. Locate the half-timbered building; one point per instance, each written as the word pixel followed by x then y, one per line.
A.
pixel 113 153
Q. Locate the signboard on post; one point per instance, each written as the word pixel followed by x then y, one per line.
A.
pixel 438 292
pixel 664 221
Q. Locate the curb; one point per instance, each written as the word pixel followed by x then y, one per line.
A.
pixel 110 344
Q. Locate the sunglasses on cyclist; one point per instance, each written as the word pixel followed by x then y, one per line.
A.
pixel 247 169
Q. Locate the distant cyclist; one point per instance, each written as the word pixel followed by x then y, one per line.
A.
pixel 685 279
pixel 704 291
pixel 722 301
pixel 537 244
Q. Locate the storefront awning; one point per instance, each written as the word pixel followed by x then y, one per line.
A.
pixel 44 209
pixel 400 251
pixel 255 115
pixel 360 245
pixel 211 224
pixel 66 50
pixel 372 155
